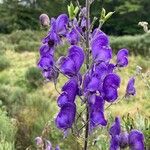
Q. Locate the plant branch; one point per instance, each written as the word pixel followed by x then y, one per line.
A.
pixel 87 66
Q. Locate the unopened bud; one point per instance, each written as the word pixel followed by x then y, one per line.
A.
pixel 44 20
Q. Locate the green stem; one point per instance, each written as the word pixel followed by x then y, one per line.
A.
pixel 87 66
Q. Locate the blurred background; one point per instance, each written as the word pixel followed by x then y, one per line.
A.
pixel 28 103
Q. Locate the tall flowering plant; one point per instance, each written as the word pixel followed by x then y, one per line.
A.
pixel 89 49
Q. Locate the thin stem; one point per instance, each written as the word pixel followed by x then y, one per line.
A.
pixel 87 66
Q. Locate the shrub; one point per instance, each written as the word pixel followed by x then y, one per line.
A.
pixel 4 62
pixel 26 46
pixel 33 77
pixel 138 44
pixel 7 126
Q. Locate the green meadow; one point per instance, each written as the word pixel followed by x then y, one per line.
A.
pixel 28 102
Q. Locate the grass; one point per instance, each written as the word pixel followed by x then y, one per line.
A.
pixel 40 104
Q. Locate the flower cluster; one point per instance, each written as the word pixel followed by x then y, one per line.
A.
pixel 134 139
pixel 98 85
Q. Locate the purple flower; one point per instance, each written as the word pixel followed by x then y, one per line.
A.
pixel 136 140
pixel 115 128
pixel 73 37
pixel 51 39
pixel 123 139
pixel 66 116
pixel 71 64
pixel 44 20
pixel 101 50
pixel 110 86
pixel 122 58
pixel 46 49
pixel 46 62
pixel 130 90
pixel 97 112
pixel 69 90
pixel 61 24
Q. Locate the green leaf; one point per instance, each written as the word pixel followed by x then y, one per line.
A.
pixel 108 15
pixel 103 13
pixel 76 11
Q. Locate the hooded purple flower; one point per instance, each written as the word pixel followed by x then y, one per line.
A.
pixel 136 140
pixel 69 90
pixel 57 148
pixel 66 116
pixel 73 37
pixel 45 49
pixel 110 86
pixel 122 58
pixel 71 64
pixel 130 90
pixel 101 50
pixel 97 111
pixel 93 80
pixel 61 24
pixel 46 62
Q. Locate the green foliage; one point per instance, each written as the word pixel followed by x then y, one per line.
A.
pixel 27 46
pixel 139 44
pixel 8 129
pixel 4 63
pixel 34 77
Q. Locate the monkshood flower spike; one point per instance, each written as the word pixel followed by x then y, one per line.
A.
pixel 92 79
pixel 134 139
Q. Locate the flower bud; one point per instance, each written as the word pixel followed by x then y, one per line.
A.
pixel 44 20
pixel 38 141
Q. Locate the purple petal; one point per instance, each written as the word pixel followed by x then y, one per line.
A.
pixel 136 140
pixel 112 80
pixel 130 90
pixel 61 24
pixel 110 93
pixel 73 37
pixel 77 55
pixel 46 62
pixel 45 49
pixel 122 58
pixel 52 39
pixel 67 66
pixel 71 88
pixel 98 42
pixel 100 70
pixel 86 81
pixel 93 84
pixel 97 112
pixel 115 129
pixel 66 116
pixel 50 74
pixel 123 140
pixel 97 32
pixel 114 143
pixel 62 99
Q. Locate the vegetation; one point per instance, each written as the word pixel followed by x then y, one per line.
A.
pixel 26 110
pixel 23 14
